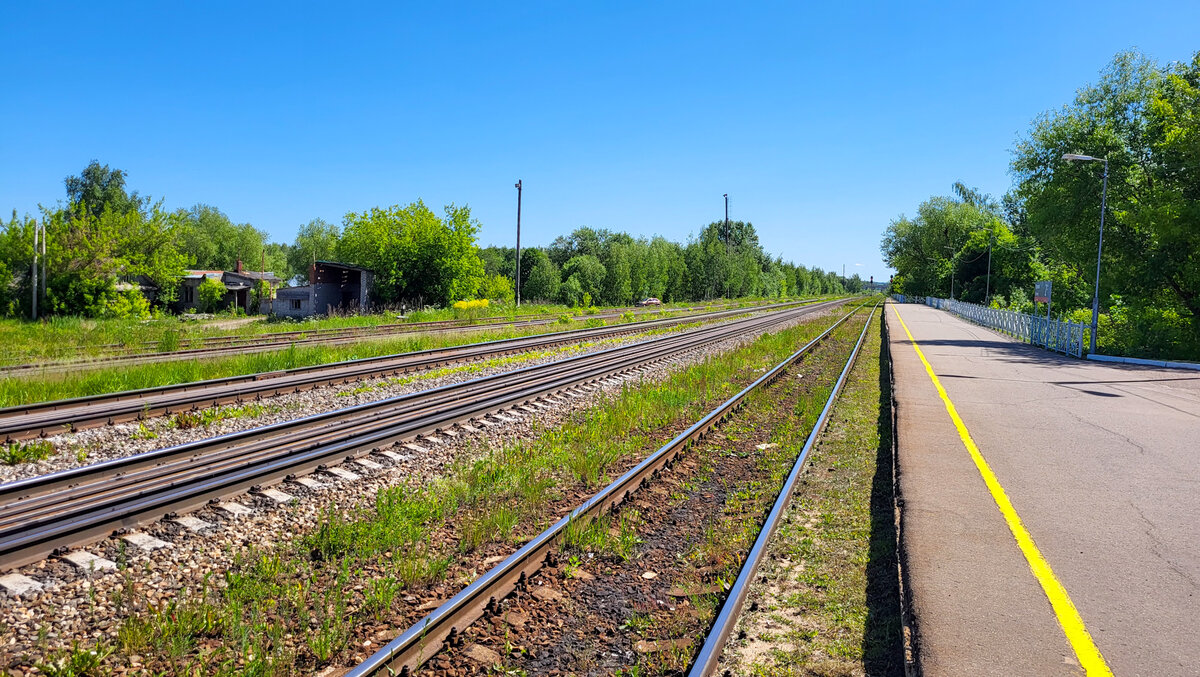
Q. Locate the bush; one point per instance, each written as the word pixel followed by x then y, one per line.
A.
pixel 470 309
pixel 211 293
pixel 1144 331
pixel 126 304
pixel 73 294
pixel 497 288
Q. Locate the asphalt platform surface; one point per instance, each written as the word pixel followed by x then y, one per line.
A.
pixel 1102 464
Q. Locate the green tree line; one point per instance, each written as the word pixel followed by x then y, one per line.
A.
pixel 104 242
pixel 1145 118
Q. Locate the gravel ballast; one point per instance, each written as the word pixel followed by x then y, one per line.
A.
pixel 75 449
pixel 77 605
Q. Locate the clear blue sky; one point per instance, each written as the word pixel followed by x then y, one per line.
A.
pixel 821 122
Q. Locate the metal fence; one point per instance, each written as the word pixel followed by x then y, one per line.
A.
pixel 1062 337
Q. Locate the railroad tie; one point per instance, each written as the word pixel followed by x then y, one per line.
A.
pixel 368 463
pixel 310 483
pixel 145 541
pixel 18 585
pixel 343 474
pixel 193 524
pixel 234 510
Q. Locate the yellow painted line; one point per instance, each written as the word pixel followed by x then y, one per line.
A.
pixel 1068 616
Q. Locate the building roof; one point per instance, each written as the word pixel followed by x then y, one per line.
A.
pixel 220 274
pixel 268 276
pixel 343 265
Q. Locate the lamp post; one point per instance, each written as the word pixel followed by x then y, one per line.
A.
pixel 518 276
pixel 1099 247
pixel 987 290
pixel 726 196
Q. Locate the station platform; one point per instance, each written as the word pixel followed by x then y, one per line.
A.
pixel 1050 525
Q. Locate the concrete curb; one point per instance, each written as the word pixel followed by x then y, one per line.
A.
pixel 1194 366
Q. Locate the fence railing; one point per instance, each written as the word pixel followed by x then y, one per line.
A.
pixel 1056 335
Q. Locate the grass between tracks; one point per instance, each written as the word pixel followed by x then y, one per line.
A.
pixel 84 382
pixel 72 337
pixel 830 604
pixel 306 602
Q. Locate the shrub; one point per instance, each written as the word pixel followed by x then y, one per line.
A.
pixel 211 293
pixel 497 288
pixel 470 309
pixel 126 304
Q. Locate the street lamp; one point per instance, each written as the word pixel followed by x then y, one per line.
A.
pixel 517 296
pixel 1100 246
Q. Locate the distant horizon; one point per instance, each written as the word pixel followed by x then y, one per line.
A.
pixel 821 123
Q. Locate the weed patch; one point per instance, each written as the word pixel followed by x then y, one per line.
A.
pixel 26 452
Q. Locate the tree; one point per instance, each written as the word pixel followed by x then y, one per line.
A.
pixel 945 247
pixel 497 288
pixel 99 188
pixel 571 292
pixel 1144 118
pixel 211 294
pixel 543 281
pixel 214 242
pixel 416 256
pixel 588 273
pixel 316 240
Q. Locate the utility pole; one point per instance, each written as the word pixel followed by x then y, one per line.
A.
pixel 1099 245
pixel 727 234
pixel 34 272
pixel 987 291
pixel 1099 251
pixel 45 280
pixel 518 281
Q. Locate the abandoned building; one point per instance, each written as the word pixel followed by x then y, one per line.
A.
pixel 332 288
pixel 239 285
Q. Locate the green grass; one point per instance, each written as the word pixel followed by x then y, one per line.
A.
pixel 72 337
pixel 321 584
pixel 80 383
pixel 25 452
pixel 77 661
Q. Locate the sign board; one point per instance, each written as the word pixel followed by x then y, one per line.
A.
pixel 1041 291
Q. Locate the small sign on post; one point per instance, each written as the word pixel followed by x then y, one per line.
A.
pixel 1041 291
pixel 1041 294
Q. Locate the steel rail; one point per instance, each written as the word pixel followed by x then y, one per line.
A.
pixel 69 477
pixel 134 359
pixel 443 625
pixel 80 505
pixel 235 339
pixel 424 405
pixel 706 662
pixel 265 342
pixel 52 417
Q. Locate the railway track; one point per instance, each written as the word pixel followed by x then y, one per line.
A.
pixel 54 417
pixel 444 626
pixel 74 507
pixel 118 355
